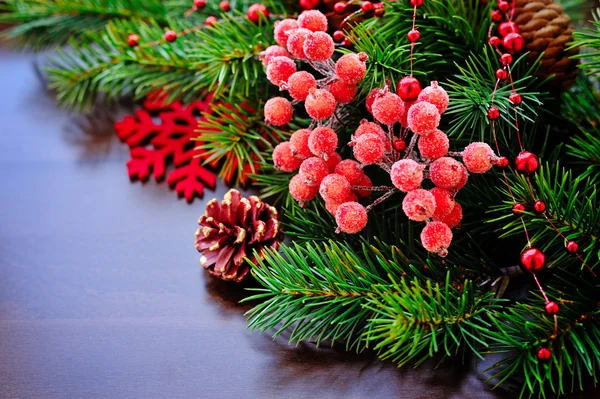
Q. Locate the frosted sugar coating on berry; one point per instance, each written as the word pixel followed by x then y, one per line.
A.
pixel 351 67
pixel 371 98
pixel 423 118
pixel 369 127
pixel 283 159
pixel 299 85
pixel 333 160
pixel 406 175
pixel 351 217
pixel 300 191
pixel 388 108
pixel 332 207
pixel 335 188
pixel 312 20
pixel 407 106
pixel 278 111
pixel 418 205
pixel 295 43
pixel 364 182
pixel 323 141
pixel 318 46
pixel 477 157
pixel 314 170
pixel 270 52
pixel 453 218
pixel 280 68
pixel 447 173
pixel 299 143
pixel 319 104
pixel 434 145
pixel 342 91
pixel 283 29
pixel 435 95
pixel 444 202
pixel 351 170
pixel 369 149
pixel 436 237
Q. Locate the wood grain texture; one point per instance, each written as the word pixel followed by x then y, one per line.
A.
pixel 102 295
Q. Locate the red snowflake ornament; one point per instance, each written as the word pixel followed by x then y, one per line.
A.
pixel 157 142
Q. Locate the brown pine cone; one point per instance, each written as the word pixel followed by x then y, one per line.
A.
pixel 546 28
pixel 232 230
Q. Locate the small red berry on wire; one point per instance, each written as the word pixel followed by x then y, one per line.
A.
pixel 255 11
pixel 497 16
pixel 518 209
pixel 493 113
pixel 501 162
pixel 572 247
pixel 552 308
pixel 338 36
pixel 506 59
pixel 170 36
pixel 379 9
pixel 533 259
pixel 339 7
pixel 526 162
pixel 513 42
pixel 503 6
pixel 416 3
pixel 399 145
pixel 544 354
pixel 507 27
pixel 413 35
pixel 409 88
pixel 494 41
pixel 367 7
pixel 539 206
pixel 225 6
pixel 308 4
pixel 501 74
pixel 199 4
pixel 133 40
pixel 515 98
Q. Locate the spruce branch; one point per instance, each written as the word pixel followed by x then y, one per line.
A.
pixel 589 39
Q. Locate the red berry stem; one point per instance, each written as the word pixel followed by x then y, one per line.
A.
pixel 412 44
pixel 381 199
pixel 373 188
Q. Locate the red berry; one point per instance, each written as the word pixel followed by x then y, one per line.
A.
pixel 339 7
pixel 313 170
pixel 313 20
pixel 434 145
pixel 494 41
pixel 299 85
pixel 225 6
pixel 477 157
pixel 283 159
pixel 342 91
pixel 379 9
pixel 364 182
pixel 497 16
pixel 507 27
pixel 283 29
pixel 347 42
pixel 552 308
pixel 335 188
pixel 369 149
pixel 501 162
pixel 423 118
pixel 544 354
pixel 295 43
pixel 351 67
pixel 367 7
pixel 416 3
pixel 418 205
pixel 308 4
pixel 399 145
pixel 371 98
pixel 513 42
pixel 413 35
pixel 351 170
pixel 408 88
pixel 503 5
pixel 526 162
pixel 506 59
pixel 388 108
pixel 407 175
pixel 300 191
pixel 518 209
pixel 369 127
pixel 515 98
pixel 279 70
pixel 199 3
pixel 453 218
pixel 351 217
pixel 436 237
pixel 320 104
pixel 323 141
pixel 444 202
pixel 436 95
pixel 447 173
pixel 407 106
pixel 299 143
pixel 318 46
pixel 210 20
pixel 501 74
pixel 493 113
pixel 572 247
pixel 256 12
pixel 133 40
pixel 271 52
pixel 170 36
pixel 533 259
pixel 333 160
pixel 539 206
pixel 278 111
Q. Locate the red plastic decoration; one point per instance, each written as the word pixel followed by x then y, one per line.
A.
pixel 552 308
pixel 572 247
pixel 533 259
pixel 513 42
pixel 518 209
pixel 539 206
pixel 544 354
pixel 526 162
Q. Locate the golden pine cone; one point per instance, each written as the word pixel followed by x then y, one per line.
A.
pixel 546 28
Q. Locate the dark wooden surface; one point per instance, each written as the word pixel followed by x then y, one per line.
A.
pixel 102 295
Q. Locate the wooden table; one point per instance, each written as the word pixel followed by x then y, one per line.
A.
pixel 102 295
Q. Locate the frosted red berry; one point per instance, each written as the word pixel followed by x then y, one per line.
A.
pixel 313 20
pixel 333 160
pixel 300 190
pixel 444 202
pixel 513 42
pixel 338 36
pixel 323 141
pixel 572 247
pixel 526 162
pixel 283 159
pixel 342 91
pixel 369 149
pixel 210 21
pixel 351 217
pixel 436 237
pixel 406 175
pixel 447 173
pixel 408 88
pixel 170 36
pixel 477 157
pixel 413 35
pixel 278 111
pixel 313 170
pixel 388 108
pixel 283 29
pixel 299 143
pixel 271 52
pixel 418 205
pixel 280 68
pixel 434 145
pixel 369 127
pixel 299 85
pixel 452 219
pixel 295 43
pixel 518 209
pixel 364 182
pixel 544 354
pixel 133 40
pixel 320 104
pixel 339 7
pixel 335 188
pixel 318 46
pixel 371 99
pixel 493 113
pixel 539 206
pixel 225 6
pixel 436 95
pixel 256 12
pixel 515 98
pixel 351 67
pixel 423 117
pixel 533 259
pixel 552 308
pixel 351 170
